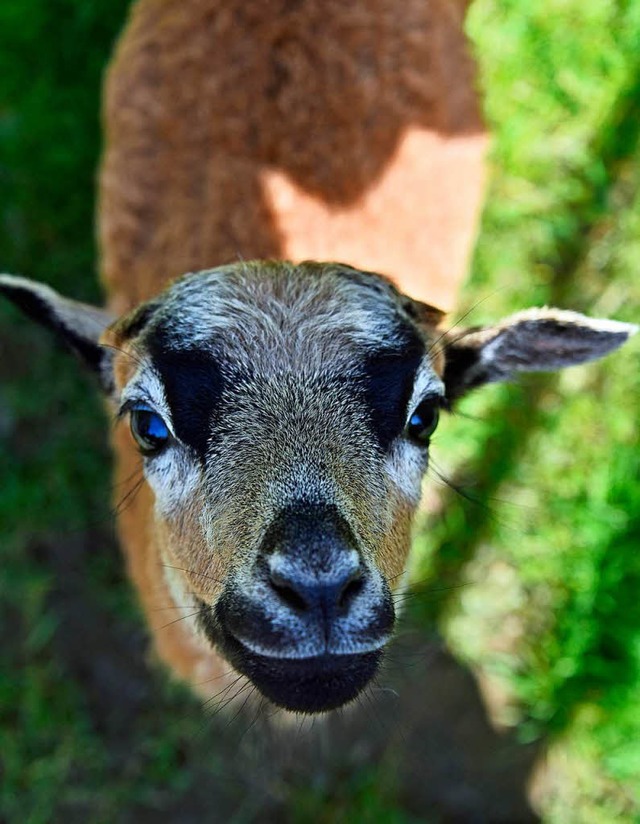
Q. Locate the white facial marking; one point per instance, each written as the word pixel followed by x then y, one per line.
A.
pixel 146 387
pixel 426 383
pixel 174 474
pixel 175 477
pixel 300 653
pixel 405 467
pixel 406 462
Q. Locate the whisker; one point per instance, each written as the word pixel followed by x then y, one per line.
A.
pixel 371 712
pixel 456 412
pixel 406 662
pixel 175 621
pixel 461 318
pixel 128 498
pixel 222 691
pixel 456 487
pixel 175 606
pixel 113 512
pixel 241 708
pixel 399 575
pixel 224 704
pixel 400 727
pixel 490 511
pixel 215 678
pixel 440 475
pixel 255 718
pixel 191 572
pixel 133 357
pixel 404 597
pixel 422 586
pixel 117 484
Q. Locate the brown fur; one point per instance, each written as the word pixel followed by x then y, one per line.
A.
pixel 314 129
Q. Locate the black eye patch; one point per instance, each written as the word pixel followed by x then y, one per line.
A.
pixel 193 385
pixel 388 380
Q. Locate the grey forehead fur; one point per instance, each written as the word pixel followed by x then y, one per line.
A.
pixel 286 337
pixel 313 313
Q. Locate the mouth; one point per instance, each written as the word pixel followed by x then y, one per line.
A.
pixel 306 685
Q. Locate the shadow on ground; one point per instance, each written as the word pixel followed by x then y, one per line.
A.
pixel 421 737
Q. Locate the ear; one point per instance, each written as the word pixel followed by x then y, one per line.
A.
pixel 424 314
pixel 78 325
pixel 537 340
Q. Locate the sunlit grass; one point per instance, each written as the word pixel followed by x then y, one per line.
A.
pixel 549 617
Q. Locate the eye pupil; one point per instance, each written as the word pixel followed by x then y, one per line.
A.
pixel 423 422
pixel 149 430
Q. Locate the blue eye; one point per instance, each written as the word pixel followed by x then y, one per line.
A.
pixel 149 430
pixel 423 422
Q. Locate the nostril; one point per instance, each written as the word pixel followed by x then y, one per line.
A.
pixel 351 588
pixel 287 593
pixel 303 588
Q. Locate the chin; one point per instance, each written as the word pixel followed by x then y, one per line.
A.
pixel 304 685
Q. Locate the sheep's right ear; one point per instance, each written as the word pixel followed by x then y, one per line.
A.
pixel 77 325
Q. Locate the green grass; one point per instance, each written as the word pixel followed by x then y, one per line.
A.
pixel 549 614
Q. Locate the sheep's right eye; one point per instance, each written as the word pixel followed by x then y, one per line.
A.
pixel 149 430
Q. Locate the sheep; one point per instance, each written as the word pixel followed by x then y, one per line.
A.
pixel 280 410
pixel 281 415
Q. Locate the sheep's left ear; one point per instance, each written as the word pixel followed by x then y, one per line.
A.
pixel 536 340
pixel 78 325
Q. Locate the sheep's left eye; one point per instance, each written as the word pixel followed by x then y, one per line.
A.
pixel 149 430
pixel 423 422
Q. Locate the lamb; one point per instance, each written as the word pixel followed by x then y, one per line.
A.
pixel 280 410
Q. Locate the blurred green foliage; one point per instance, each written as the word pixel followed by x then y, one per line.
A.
pixel 548 613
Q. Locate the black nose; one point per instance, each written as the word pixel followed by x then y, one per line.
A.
pixel 305 586
pixel 307 622
pixel 312 561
